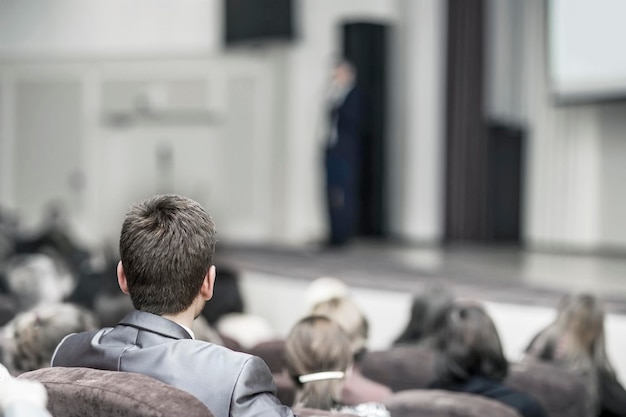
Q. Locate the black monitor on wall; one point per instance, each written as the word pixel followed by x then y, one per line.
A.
pixel 258 21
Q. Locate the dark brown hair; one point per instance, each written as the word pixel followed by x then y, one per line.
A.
pixel 166 246
pixel 428 314
pixel 469 346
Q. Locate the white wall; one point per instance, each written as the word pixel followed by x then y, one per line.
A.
pixel 225 160
pixel 416 165
pixel 612 127
pixel 114 27
pixel 112 53
pixel 505 95
pixel 574 169
pixel 73 41
pixel 563 154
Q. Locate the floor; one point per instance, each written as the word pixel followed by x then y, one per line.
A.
pixel 519 288
pixel 496 273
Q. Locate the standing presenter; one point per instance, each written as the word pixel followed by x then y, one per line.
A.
pixel 342 154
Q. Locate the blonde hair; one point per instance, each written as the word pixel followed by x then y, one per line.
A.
pixel 323 289
pixel 349 317
pixel 33 336
pixel 575 340
pixel 316 344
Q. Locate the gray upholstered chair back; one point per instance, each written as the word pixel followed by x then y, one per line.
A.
pixel 400 368
pixel 561 393
pixel 79 392
pixel 438 403
pixel 272 352
pixel 285 388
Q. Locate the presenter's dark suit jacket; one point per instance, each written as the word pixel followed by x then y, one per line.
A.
pixel 343 166
pixel 229 383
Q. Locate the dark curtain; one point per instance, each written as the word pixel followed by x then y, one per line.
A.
pixel 466 138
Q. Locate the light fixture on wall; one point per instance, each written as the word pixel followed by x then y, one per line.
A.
pixel 151 106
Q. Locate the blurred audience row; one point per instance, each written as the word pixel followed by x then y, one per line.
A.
pixel 452 345
pixel 51 287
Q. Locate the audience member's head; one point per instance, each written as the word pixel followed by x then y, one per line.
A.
pixel 8 232
pixel 317 355
pixel 248 330
pixel 167 245
pixel 469 346
pixel 575 340
pixel 230 299
pixel 37 279
pixel 32 336
pixel 582 318
pixel 110 309
pixel 576 336
pixel 323 289
pixel 21 397
pixel 202 330
pixel 428 314
pixel 349 317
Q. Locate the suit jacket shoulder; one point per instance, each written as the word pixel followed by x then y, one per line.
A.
pixel 227 382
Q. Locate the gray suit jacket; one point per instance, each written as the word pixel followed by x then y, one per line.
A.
pixel 229 383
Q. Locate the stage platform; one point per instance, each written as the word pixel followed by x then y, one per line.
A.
pixel 490 273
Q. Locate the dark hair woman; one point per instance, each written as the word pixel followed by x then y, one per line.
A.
pixel 469 359
pixel 428 312
pixel 575 341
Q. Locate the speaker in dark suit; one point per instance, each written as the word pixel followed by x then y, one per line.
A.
pixel 343 154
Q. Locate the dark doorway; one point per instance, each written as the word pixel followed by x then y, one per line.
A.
pixel 365 46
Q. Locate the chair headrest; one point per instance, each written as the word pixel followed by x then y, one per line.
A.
pixel 96 393
pixel 439 403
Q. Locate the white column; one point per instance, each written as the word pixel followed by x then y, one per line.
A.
pixel 7 138
pixel 417 164
pixel 505 92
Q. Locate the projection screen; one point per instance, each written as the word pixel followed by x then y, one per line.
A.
pixel 586 38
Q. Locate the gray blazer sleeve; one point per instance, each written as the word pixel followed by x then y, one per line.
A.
pixel 254 393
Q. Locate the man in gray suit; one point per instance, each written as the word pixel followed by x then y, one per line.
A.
pixel 166 248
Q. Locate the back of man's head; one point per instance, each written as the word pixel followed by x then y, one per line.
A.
pixel 166 247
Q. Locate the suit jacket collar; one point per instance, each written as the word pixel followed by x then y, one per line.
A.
pixel 155 324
